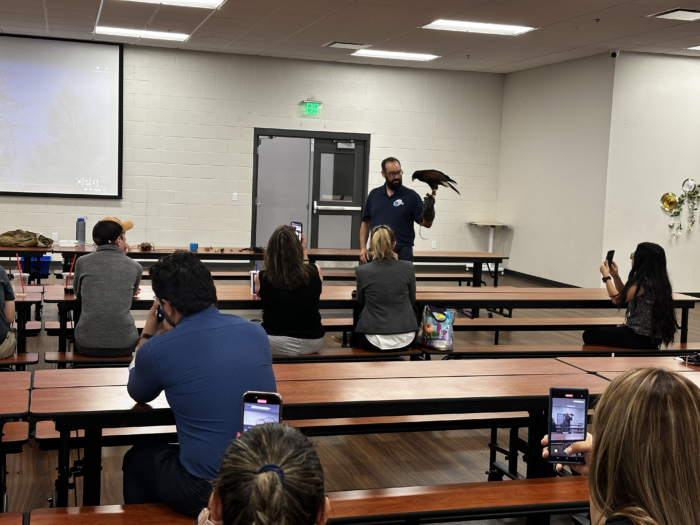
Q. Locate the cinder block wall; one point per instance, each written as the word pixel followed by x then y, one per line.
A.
pixel 188 142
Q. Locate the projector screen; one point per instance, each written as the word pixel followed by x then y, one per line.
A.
pixel 60 118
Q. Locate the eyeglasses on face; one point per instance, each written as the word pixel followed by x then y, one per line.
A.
pixel 393 173
pixel 631 256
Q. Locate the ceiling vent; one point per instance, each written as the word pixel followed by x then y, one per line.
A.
pixel 346 45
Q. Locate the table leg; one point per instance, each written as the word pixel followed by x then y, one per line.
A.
pixel 3 473
pixel 684 325
pixel 495 274
pixel 22 314
pixel 62 483
pixel 537 466
pixel 476 275
pixel 62 328
pixel 93 467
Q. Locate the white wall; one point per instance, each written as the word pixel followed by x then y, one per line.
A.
pixel 554 158
pixel 188 141
pixel 654 147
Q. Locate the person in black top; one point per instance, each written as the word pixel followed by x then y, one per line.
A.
pixel 650 319
pixel 290 289
pixel 395 206
pixel 643 462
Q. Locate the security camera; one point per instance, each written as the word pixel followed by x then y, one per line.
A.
pixel 614 53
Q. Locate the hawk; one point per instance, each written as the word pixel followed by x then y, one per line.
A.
pixel 434 178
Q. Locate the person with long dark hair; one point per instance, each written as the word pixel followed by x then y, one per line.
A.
pixel 290 289
pixel 650 319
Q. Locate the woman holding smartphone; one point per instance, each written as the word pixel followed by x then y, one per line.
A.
pixel 290 289
pixel 643 462
pixel 650 319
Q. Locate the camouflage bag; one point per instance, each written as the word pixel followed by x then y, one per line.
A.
pixel 24 239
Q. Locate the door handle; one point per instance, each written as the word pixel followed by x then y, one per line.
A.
pixel 336 208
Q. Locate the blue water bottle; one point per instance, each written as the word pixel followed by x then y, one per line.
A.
pixel 80 231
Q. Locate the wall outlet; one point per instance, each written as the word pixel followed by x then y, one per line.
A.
pixel 433 245
pixel 234 197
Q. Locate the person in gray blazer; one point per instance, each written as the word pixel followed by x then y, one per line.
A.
pixel 386 290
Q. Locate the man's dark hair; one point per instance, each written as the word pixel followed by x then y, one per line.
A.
pixel 389 159
pixel 106 232
pixel 183 281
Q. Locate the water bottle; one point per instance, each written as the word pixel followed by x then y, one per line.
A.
pixel 80 231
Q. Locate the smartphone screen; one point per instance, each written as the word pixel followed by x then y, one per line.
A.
pixel 568 409
pixel 261 407
pixel 299 228
pixel 610 256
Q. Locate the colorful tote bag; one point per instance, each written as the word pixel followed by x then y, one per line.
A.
pixel 436 327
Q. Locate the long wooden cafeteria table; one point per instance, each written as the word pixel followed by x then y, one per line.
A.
pixel 315 254
pixel 87 377
pixel 14 393
pixel 95 408
pixel 624 364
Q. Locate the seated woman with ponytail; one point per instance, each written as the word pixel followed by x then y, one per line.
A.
pixel 270 475
pixel 650 319
pixel 386 290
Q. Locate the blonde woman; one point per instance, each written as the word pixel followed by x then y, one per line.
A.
pixel 643 462
pixel 386 290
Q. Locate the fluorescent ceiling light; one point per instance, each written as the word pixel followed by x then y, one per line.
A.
pixel 478 27
pixel 696 48
pixel 685 15
pixel 137 33
pixel 375 53
pixel 346 45
pixel 208 4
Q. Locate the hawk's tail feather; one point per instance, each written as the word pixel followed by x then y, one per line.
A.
pixel 450 185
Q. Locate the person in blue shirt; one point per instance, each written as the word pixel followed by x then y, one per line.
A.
pixel 395 206
pixel 204 361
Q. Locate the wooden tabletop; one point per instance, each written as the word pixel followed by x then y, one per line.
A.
pixel 11 519
pixel 15 403
pixel 7 251
pixel 692 375
pixel 15 380
pixel 92 377
pixel 383 393
pixel 420 369
pixel 30 298
pixel 623 363
pixel 145 514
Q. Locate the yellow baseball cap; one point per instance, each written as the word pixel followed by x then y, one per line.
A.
pixel 126 225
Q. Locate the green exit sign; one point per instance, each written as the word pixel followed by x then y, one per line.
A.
pixel 311 107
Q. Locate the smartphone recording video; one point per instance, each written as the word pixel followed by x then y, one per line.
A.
pixel 299 228
pixel 260 408
pixel 568 409
pixel 610 256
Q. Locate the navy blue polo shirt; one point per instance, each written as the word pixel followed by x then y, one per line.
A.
pixel 399 212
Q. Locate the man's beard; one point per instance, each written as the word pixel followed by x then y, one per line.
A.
pixel 395 185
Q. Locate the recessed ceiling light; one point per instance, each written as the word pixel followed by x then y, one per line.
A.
pixel 137 33
pixel 686 15
pixel 208 4
pixel 346 45
pixel 478 27
pixel 375 53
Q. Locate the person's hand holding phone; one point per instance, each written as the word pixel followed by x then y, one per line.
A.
pixel 605 269
pixel 303 240
pixel 613 269
pixel 585 447
pixel 153 326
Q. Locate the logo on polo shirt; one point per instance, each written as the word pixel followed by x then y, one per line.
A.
pixel 398 202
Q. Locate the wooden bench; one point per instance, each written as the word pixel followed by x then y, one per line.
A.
pixel 325 355
pixel 462 502
pixel 11 519
pixel 31 329
pixel 15 435
pixel 524 324
pixel 20 360
pixel 146 514
pixel 48 438
pixel 53 328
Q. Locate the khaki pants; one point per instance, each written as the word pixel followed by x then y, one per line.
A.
pixel 9 345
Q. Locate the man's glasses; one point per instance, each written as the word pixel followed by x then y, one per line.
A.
pixel 394 173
